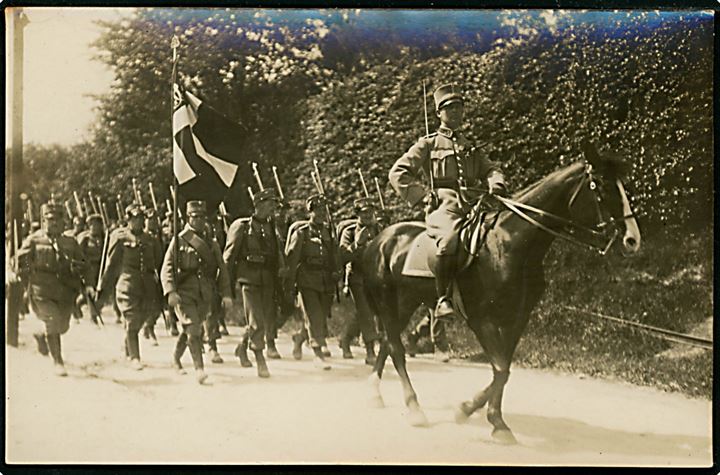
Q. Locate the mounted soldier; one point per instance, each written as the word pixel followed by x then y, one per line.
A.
pixel 456 171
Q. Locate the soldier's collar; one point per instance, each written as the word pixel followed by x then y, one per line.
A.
pixel 445 131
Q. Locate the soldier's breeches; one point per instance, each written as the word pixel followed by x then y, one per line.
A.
pixel 316 310
pixel 137 309
pixel 443 225
pixel 192 315
pixel 259 307
pixel 363 315
pixel 55 314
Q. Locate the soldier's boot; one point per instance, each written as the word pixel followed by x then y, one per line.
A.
pixel 370 353
pixel 412 348
pixel 297 346
pixel 213 353
pixel 195 344
pixel 241 353
pixel 55 349
pixel 177 354
pixel 272 351
pixel 173 326
pixel 444 275
pixel 262 368
pixel 319 360
pixel 149 333
pixel 223 328
pixel 345 347
pixel 133 345
pixel 42 345
pixel 326 351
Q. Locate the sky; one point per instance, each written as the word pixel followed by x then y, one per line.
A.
pixel 59 73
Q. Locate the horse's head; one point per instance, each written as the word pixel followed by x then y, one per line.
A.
pixel 600 198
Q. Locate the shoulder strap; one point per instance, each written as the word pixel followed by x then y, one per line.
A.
pixel 197 243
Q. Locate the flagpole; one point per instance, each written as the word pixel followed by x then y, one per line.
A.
pixel 174 44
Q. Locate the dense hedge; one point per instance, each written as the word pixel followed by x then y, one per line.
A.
pixel 530 101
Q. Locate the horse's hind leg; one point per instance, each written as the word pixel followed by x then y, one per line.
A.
pixel 416 416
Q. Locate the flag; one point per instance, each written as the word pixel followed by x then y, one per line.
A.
pixel 207 150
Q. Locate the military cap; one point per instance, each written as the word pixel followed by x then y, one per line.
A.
pixel 314 201
pixel 196 208
pixel 446 94
pixel 93 217
pixel 133 210
pixel 266 194
pixel 51 210
pixel 364 204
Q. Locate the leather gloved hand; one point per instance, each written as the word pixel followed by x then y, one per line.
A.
pixel 173 299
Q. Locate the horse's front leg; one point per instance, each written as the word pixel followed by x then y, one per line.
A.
pixel 375 398
pixel 416 416
pixel 493 342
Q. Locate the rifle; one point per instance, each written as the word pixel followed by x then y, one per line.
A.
pixel 257 176
pixel 333 236
pixel 377 187
pixel 118 210
pixel 427 132
pixel 223 214
pixel 68 210
pixel 136 192
pixel 92 202
pixel 78 206
pixel 277 183
pixel 362 181
pixel 252 196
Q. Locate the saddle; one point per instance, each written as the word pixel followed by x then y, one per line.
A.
pixel 421 258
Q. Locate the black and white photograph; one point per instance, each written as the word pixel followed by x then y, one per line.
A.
pixel 359 236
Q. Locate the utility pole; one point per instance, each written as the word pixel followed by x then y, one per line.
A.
pixel 17 20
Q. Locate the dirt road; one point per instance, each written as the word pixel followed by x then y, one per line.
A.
pixel 106 412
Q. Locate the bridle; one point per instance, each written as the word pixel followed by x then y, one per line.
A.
pixel 600 237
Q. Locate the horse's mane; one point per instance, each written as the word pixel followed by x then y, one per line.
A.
pixel 523 193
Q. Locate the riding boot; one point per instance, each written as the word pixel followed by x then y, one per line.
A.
pixel 444 276
pixel 213 353
pixel 134 350
pixel 42 344
pixel 55 349
pixel 241 353
pixel 272 351
pixel 179 350
pixel 345 347
pixel 262 369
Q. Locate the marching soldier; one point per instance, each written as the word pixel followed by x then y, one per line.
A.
pixel 353 240
pixel 284 306
pixel 132 264
pixel 78 225
pixel 253 258
pixel 167 234
pixel 312 274
pixel 151 229
pixel 52 264
pixel 212 325
pixel 91 244
pixel 190 288
pixel 457 169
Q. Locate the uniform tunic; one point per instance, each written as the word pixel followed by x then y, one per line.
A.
pixel 455 165
pixel 312 260
pixel 92 246
pixel 200 275
pixel 53 266
pixel 353 241
pixel 132 264
pixel 252 256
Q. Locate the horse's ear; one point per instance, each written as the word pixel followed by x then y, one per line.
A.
pixel 590 152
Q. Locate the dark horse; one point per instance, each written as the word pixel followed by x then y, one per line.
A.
pixel 584 202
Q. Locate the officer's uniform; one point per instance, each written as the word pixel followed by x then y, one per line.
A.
pixel 313 264
pixel 253 257
pixel 353 240
pixel 52 265
pixel 201 273
pixel 132 264
pixel 458 170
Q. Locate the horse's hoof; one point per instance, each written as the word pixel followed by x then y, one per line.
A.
pixel 504 436
pixel 376 402
pixel 462 414
pixel 417 418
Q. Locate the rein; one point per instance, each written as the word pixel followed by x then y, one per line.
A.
pixel 569 229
